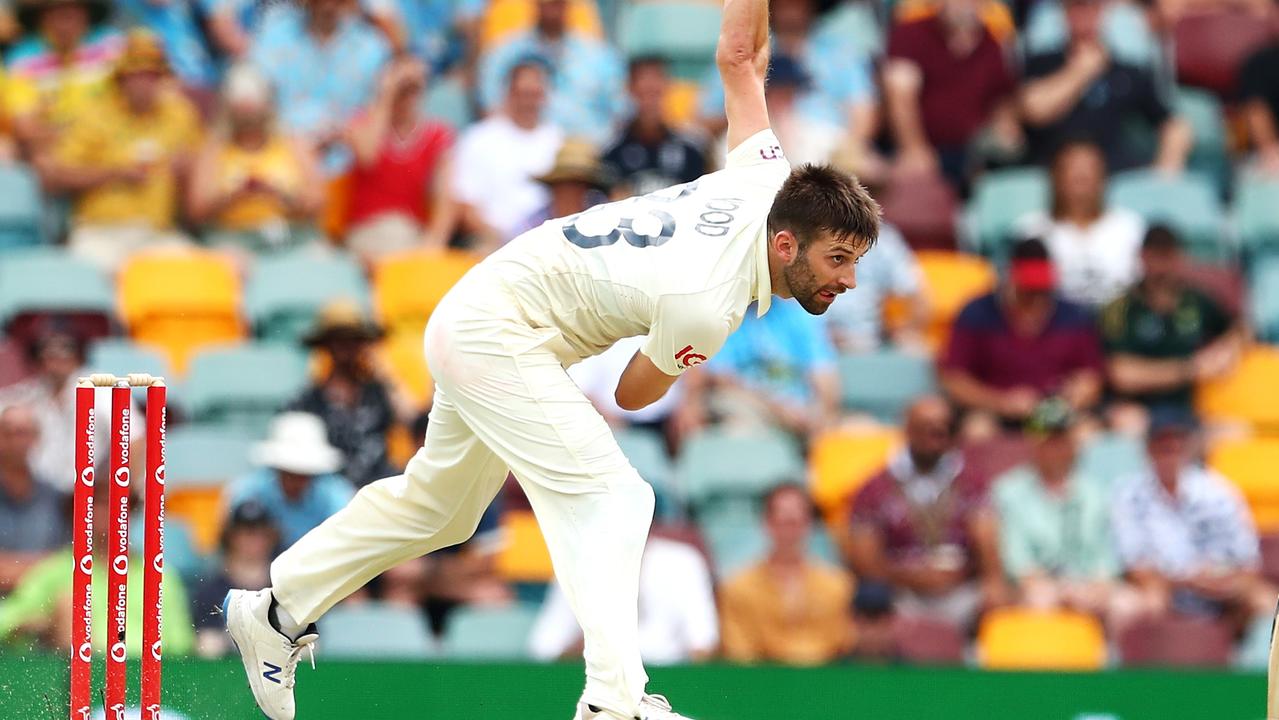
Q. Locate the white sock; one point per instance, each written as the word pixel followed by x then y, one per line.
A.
pixel 283 621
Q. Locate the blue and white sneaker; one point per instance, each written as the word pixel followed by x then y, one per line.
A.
pixel 270 659
pixel 652 707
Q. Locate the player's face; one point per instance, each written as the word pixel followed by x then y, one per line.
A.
pixel 822 271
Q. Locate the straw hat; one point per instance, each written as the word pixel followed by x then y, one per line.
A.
pixel 29 11
pixel 341 320
pixel 298 443
pixel 577 161
pixel 142 53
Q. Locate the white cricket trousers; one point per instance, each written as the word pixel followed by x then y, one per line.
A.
pixel 502 400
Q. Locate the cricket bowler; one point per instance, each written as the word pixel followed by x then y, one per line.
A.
pixel 679 266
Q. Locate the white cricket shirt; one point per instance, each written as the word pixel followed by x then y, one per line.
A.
pixel 679 265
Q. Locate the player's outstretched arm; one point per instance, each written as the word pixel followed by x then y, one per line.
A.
pixel 742 57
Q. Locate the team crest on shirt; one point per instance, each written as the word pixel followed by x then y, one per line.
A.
pixel 687 358
pixel 772 152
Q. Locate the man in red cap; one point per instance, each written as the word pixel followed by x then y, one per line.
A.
pixel 1015 346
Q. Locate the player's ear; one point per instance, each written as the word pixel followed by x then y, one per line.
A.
pixel 786 245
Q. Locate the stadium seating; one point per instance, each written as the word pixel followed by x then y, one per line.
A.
pixel 685 33
pixel 376 630
pixel 647 452
pixel 1263 304
pixel 406 359
pixel 120 356
pixel 41 283
pixel 21 212
pixel 243 386
pixel 283 293
pixel 180 301
pixel 999 200
pixel 447 100
pixel 1209 156
pixel 924 208
pixel 1270 557
pixel 489 633
pixel 1016 639
pixel 1256 197
pixel 408 286
pixel 1177 641
pixel 504 18
pixel 1188 204
pixel 718 464
pixel 1211 47
pixel 1111 458
pixel 951 279
pixel 883 383
pixel 1247 395
pixel 523 557
pixel 852 26
pixel 928 641
pixel 1250 464
pixel 842 460
pixel 199 461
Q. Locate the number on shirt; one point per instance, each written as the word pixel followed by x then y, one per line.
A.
pixel 625 229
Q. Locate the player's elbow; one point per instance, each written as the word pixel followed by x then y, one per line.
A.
pixel 630 400
pixel 736 51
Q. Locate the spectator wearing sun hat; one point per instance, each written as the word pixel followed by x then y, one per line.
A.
pixel 124 158
pixel 296 478
pixel 356 403
pixel 61 66
pixel 577 181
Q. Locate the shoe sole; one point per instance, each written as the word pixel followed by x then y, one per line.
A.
pixel 250 666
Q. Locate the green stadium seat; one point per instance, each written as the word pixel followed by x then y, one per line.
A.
pixel 1110 458
pixel 120 356
pixel 447 101
pixel 716 464
pixel 1264 298
pixel 884 382
pixel 378 631
pixel 284 293
pixel 489 633
pixel 21 211
pixel 1000 198
pixel 1256 200
pixel 1209 156
pixel 243 386
pixel 647 453
pixel 1188 204
pixel 203 456
pixel 685 33
pixel 50 281
pixel 854 26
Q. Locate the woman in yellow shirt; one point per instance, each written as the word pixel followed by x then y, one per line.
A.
pixel 254 188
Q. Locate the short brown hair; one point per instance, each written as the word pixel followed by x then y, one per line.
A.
pixel 817 199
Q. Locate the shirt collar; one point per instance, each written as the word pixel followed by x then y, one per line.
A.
pixel 763 283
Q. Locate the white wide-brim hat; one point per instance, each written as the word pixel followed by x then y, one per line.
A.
pixel 298 443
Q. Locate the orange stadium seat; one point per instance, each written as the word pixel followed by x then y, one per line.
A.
pixel 842 460
pixel 180 301
pixel 507 17
pixel 407 286
pixel 1248 395
pixel 951 279
pixel 524 557
pixel 1250 464
pixel 1017 639
pixel 404 357
pixel 203 510
pixel 680 103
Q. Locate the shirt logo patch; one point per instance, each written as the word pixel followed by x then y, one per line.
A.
pixel 772 152
pixel 687 358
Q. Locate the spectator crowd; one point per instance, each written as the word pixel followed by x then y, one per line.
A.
pixel 1048 454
